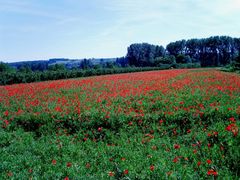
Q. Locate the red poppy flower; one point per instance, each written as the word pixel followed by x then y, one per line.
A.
pixel 175 159
pixel 209 161
pixel 69 164
pixel 6 113
pixel 6 122
pixel 154 147
pixel 125 171
pixel 229 127
pixel 123 159
pixel 88 165
pixel 212 172
pixel 99 129
pixel 130 123
pixel 9 173
pixel 232 119
pixel 152 167
pixel 176 146
pixel 161 121
pixel 54 162
pixel 111 173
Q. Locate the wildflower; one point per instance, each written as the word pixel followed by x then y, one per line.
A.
pixel 88 165
pixel 111 173
pixel 54 162
pixel 152 168
pixel 232 119
pixel 212 172
pixel 9 173
pixel 6 122
pixel 154 147
pixel 123 159
pixel 6 113
pixel 161 121
pixel 66 178
pixel 125 171
pixel 199 163
pixel 235 130
pixel 176 146
pixel 99 129
pixel 229 127
pixel 175 160
pixel 209 161
pixel 140 122
pixel 69 164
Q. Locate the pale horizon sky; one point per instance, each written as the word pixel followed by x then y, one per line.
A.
pixel 44 29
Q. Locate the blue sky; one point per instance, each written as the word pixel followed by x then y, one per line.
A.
pixel 43 29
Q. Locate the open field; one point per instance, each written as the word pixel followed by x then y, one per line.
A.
pixel 147 125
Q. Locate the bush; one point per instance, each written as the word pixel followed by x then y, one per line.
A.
pixel 181 58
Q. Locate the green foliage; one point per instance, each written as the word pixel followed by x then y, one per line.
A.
pixel 5 68
pixel 143 54
pixel 57 73
pixel 236 63
pixel 182 59
pixel 165 60
pixel 57 67
pixel 212 51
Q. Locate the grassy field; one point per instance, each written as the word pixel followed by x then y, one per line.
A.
pixel 176 124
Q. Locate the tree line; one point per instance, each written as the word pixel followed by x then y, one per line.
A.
pixel 12 76
pixel 208 52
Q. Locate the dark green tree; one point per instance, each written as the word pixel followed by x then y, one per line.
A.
pixel 143 54
pixel 4 67
pixel 57 67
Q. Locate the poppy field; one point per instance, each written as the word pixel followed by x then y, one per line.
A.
pixel 176 124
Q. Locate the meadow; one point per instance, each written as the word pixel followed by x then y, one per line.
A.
pixel 169 124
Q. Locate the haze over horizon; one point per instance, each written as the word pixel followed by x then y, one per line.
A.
pixel 34 29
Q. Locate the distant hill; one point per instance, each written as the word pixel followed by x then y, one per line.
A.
pixel 42 65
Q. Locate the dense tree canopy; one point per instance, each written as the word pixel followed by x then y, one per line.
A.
pixel 144 54
pixel 212 51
